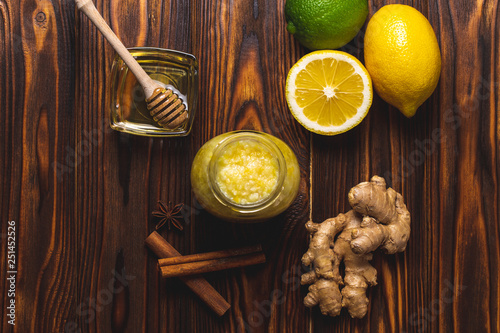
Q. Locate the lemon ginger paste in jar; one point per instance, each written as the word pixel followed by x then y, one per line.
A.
pixel 245 176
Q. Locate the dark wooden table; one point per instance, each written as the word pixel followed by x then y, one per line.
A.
pixel 81 195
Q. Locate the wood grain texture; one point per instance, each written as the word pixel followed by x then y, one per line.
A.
pixel 82 194
pixel 444 162
pixel 243 66
pixel 37 123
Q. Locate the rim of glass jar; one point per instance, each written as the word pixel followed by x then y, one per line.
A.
pixel 261 138
pixel 159 51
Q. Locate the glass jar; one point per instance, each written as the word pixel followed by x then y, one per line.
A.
pixel 245 176
pixel 128 109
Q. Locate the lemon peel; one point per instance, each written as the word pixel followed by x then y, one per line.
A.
pixel 402 56
pixel 329 92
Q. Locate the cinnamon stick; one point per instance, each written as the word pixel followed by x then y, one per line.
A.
pixel 209 255
pixel 206 266
pixel 197 284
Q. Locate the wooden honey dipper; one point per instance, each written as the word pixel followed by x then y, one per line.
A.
pixel 166 107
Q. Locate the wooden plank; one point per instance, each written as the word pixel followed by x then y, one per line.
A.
pixel 472 132
pixel 172 304
pixel 244 54
pixel 121 181
pixel 112 195
pixel 37 97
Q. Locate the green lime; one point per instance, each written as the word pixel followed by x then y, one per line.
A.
pixel 325 24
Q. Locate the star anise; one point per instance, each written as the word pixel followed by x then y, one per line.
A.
pixel 169 215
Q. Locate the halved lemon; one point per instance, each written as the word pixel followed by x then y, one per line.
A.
pixel 329 92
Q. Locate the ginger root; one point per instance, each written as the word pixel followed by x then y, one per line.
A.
pixel 379 219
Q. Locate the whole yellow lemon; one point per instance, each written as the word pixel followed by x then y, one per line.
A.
pixel 402 56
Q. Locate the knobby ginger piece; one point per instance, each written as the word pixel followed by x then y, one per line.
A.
pixel 379 219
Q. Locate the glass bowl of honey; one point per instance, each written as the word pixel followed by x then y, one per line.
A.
pixel 127 102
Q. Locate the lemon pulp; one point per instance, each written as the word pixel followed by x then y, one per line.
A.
pixel 247 172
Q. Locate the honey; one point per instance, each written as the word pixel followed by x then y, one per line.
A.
pixel 128 109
